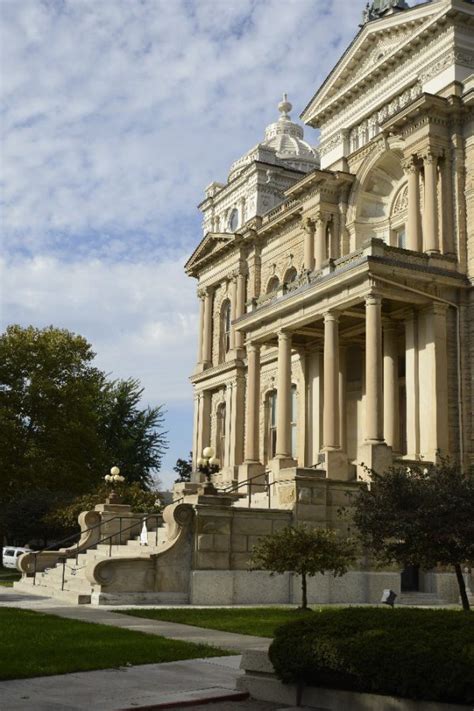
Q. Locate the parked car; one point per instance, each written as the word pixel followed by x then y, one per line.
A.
pixel 11 555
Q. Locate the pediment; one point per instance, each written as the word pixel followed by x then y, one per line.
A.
pixel 211 245
pixel 373 49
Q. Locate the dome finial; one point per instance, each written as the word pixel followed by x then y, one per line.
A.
pixel 284 107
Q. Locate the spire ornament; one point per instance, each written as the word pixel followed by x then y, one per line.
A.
pixel 284 107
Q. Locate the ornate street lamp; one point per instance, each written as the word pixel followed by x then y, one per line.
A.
pixel 114 478
pixel 208 465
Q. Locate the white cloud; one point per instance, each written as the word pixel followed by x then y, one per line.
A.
pixel 140 317
pixel 118 113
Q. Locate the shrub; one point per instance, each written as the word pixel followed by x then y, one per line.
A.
pixel 418 654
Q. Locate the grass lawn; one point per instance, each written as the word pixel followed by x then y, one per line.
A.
pixel 257 621
pixel 35 644
pixel 8 576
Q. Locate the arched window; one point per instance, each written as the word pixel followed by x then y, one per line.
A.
pixel 220 433
pixel 290 275
pixel 225 325
pixel 273 284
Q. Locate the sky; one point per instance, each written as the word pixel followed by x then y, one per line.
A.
pixel 115 115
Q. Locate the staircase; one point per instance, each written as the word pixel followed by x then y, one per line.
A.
pixel 120 568
pixel 68 581
pixel 420 599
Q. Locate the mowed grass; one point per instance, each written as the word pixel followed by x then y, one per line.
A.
pixel 257 621
pixel 8 576
pixel 36 644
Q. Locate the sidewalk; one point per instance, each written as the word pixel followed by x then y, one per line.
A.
pixel 172 630
pixel 148 686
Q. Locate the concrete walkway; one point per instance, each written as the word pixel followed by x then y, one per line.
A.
pixel 148 686
pixel 172 630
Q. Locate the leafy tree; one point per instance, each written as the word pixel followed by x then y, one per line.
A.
pixel 141 500
pixel 420 516
pixel 132 438
pixel 304 551
pixel 184 468
pixel 63 423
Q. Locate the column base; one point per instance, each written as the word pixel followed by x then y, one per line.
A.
pixel 373 455
pixel 279 463
pixel 335 463
pixel 247 470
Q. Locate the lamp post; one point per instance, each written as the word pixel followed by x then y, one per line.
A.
pixel 208 465
pixel 113 478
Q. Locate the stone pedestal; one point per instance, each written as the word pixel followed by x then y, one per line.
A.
pixel 335 463
pixel 374 456
pixel 279 463
pixel 247 470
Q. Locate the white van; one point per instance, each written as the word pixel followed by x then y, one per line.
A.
pixel 11 556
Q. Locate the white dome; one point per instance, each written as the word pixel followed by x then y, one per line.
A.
pixel 286 137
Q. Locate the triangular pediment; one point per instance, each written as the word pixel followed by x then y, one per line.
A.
pixel 375 47
pixel 212 244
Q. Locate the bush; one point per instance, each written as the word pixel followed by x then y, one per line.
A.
pixel 418 654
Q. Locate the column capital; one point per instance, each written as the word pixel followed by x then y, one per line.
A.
pixel 308 225
pixel 373 299
pixel 432 154
pixel 411 164
pixel 389 326
pixel 331 316
pixel 438 308
pixel 253 347
pixel 284 335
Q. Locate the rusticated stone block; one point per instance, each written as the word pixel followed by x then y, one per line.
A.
pixel 252 525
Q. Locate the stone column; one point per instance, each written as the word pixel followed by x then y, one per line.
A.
pixel 448 222
pixel 430 215
pixel 342 397
pixel 283 437
pixel 413 225
pixel 207 330
pixel 236 416
pixel 391 413
pixel 331 381
pixel 240 307
pixel 320 241
pixel 252 423
pixel 242 212
pixel 204 425
pixel 233 311
pixel 433 374
pixel 315 406
pixel 308 259
pixel 373 369
pixel 201 297
pixel 412 385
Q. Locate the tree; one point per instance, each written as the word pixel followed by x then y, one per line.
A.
pixel 141 500
pixel 304 551
pixel 184 468
pixel 63 423
pixel 420 516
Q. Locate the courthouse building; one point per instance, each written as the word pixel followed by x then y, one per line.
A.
pixel 335 283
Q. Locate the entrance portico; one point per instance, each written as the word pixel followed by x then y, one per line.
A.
pixel 368 383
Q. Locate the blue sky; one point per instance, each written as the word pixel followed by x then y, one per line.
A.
pixel 116 115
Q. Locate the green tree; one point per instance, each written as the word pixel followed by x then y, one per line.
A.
pixel 141 501
pixel 63 423
pixel 420 516
pixel 304 551
pixel 131 437
pixel 184 469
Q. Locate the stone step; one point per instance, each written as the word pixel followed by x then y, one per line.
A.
pixel 418 598
pixel 71 596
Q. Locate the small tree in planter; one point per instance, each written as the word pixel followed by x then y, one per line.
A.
pixel 304 551
pixel 419 515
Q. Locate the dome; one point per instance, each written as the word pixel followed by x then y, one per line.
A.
pixel 286 137
pixel 285 141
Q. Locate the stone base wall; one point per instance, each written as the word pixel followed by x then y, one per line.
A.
pixel 242 587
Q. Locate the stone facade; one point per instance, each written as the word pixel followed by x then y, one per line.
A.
pixel 337 314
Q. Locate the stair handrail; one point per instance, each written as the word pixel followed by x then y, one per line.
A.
pixel 71 554
pixel 65 556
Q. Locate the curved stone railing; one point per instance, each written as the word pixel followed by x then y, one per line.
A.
pixel 166 570
pixel 89 522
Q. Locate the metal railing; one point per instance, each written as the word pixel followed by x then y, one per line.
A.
pixel 81 549
pixel 267 487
